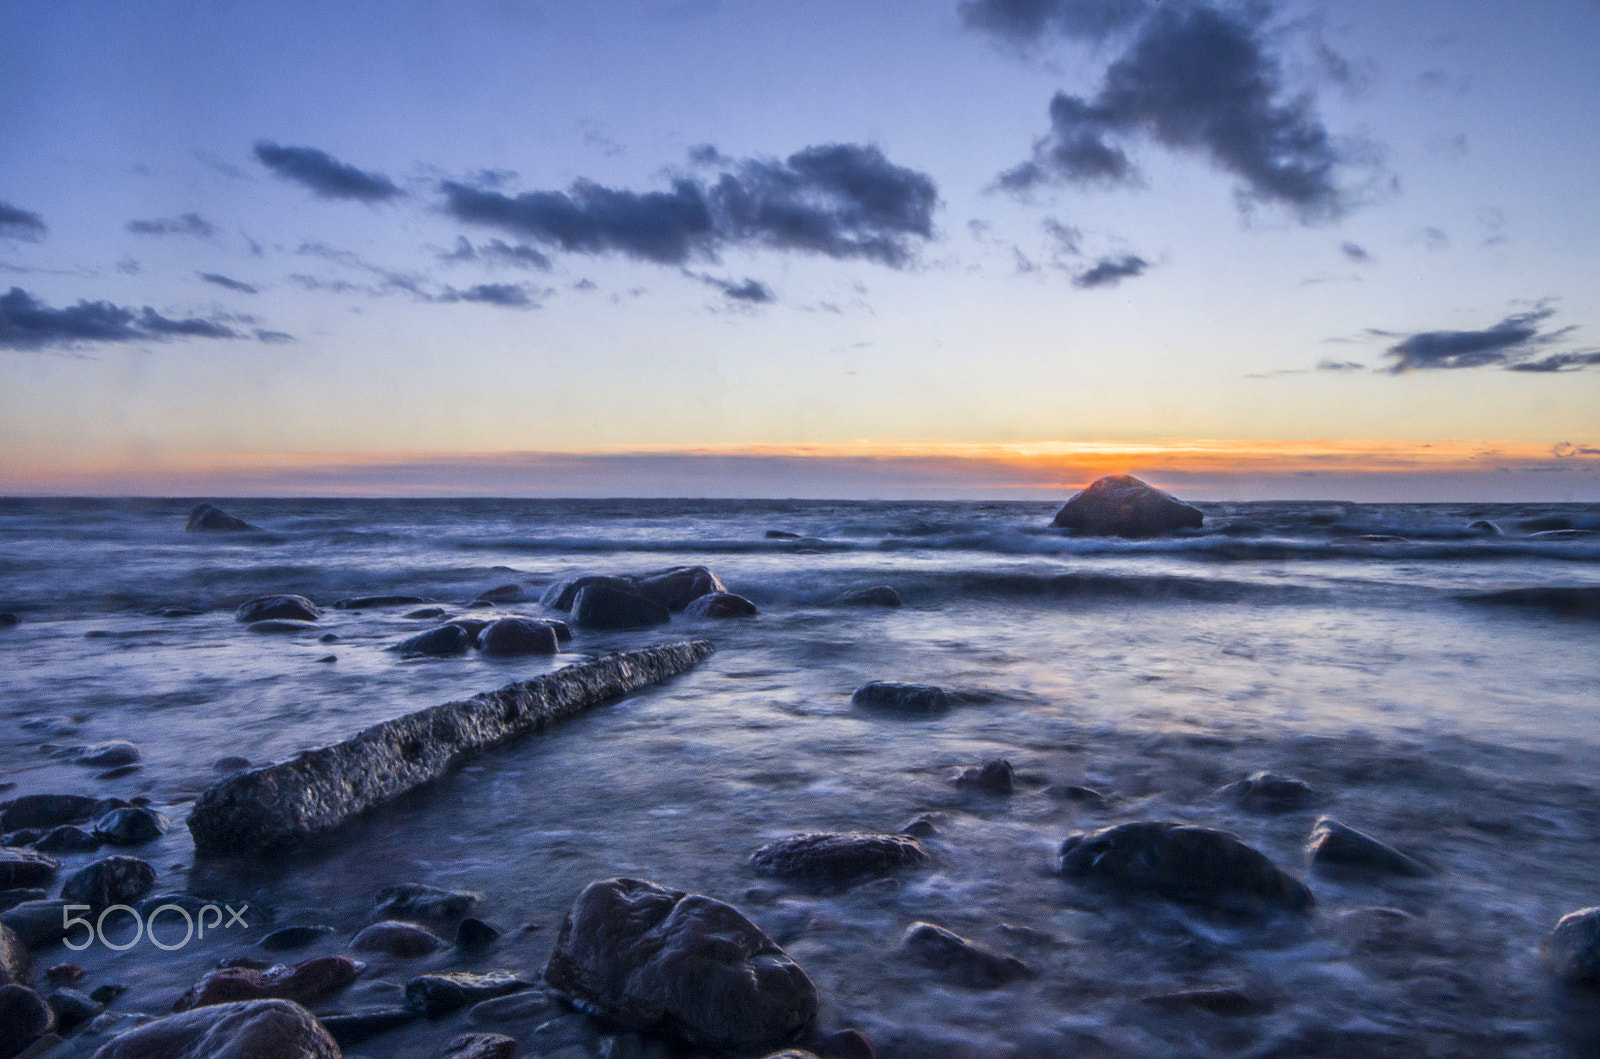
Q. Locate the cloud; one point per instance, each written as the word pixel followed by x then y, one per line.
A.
pixel 273 336
pixel 1027 21
pixel 1511 343
pixel 1340 365
pixel 1110 271
pixel 508 295
pixel 27 323
pixel 838 200
pixel 18 223
pixel 497 252
pixel 185 224
pixel 1355 252
pixel 1066 238
pixel 751 291
pixel 1201 80
pixel 230 284
pixel 326 176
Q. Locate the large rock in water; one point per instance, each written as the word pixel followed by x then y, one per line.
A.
pixel 211 517
pixel 267 608
pixel 662 961
pixel 1122 506
pixel 837 855
pixel 517 636
pixel 677 586
pixel 260 1029
pixel 1573 949
pixel 604 607
pixel 1181 862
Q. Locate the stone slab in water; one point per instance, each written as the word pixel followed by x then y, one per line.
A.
pixel 313 793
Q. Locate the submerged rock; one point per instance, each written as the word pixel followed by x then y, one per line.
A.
pixel 992 777
pixel 397 939
pixel 721 605
pixel 72 1009
pixel 46 810
pixel 509 593
pixel 68 838
pixel 280 625
pixel 1573 601
pixel 1572 950
pixel 286 939
pixel 24 1018
pixel 211 517
pixel 604 607
pixel 677 586
pixel 661 961
pixel 267 608
pixel 108 754
pixel 1339 847
pixel 876 596
pixel 304 983
pixel 838 856
pixel 903 698
pixel 25 867
pixel 439 994
pixel 473 933
pixel 112 881
pixel 1484 527
pixel 8 619
pixel 131 826
pixel 1267 792
pixel 425 902
pixel 962 959
pixel 517 636
pixel 1120 505
pixel 261 1029
pixel 1181 862
pixel 444 641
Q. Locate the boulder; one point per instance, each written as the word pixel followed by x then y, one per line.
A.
pixel 45 810
pixel 441 642
pixel 961 959
pixel 260 1029
pixel 267 608
pixel 561 595
pixel 108 754
pixel 721 605
pixel 112 881
pixel 394 938
pixel 677 586
pixel 37 923
pixel 304 983
pixel 439 994
pixel 425 902
pixel 24 1018
pixel 875 596
pixel 1120 505
pixel 661 961
pixel 131 826
pixel 1267 792
pixel 25 868
pixel 15 963
pixel 211 517
pixel 1572 950
pixel 1195 865
pixel 901 698
pixel 517 636
pixel 68 838
pixel 992 777
pixel 604 607
pixel 838 856
pixel 1333 846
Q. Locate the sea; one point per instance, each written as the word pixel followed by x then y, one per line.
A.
pixel 1431 671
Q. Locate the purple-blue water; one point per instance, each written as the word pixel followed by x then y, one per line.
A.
pixel 1332 642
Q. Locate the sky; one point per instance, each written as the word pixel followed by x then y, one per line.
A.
pixel 905 248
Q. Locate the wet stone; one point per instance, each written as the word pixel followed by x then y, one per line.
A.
pixel 603 607
pixel 118 772
pixel 509 637
pixel 304 983
pixel 901 698
pixel 1088 797
pixel 678 586
pixel 284 607
pixel 561 595
pixel 1181 862
pixel 444 641
pixel 45 811
pixel 424 901
pixel 439 994
pixel 394 938
pixel 276 626
pixel 838 856
pixel 112 881
pixel 424 613
pixel 211 517
pixel 992 777
pixel 287 939
pixel 513 1007
pixel 875 596
pixel 230 764
pixel 37 923
pixel 480 1046
pixel 25 867
pixel 109 754
pixel 1267 792
pixel 64 974
pixel 961 959
pixel 1572 950
pixel 10 899
pixel 472 933
pixel 721 605
pixel 509 593
pixel 72 1009
pixel 353 1027
pixel 15 961
pixel 844 1044
pixel 1337 847
pixel 263 1029
pixel 24 1018
pixel 131 826
pixel 1121 505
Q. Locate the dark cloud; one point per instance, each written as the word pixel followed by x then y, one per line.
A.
pixel 1355 252
pixel 751 291
pixel 326 176
pixel 1195 79
pixel 1110 271
pixel 230 284
pixel 28 323
pixel 497 252
pixel 1027 21
pixel 839 200
pixel 18 223
pixel 1511 343
pixel 1560 362
pixel 273 336
pixel 186 224
pixel 508 295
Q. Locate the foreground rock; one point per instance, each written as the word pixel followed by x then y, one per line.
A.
pixel 439 994
pixel 405 940
pixel 901 698
pixel 37 923
pixel 443 642
pixel 604 607
pixel 961 959
pixel 509 637
pixel 112 881
pixel 15 962
pixel 1195 865
pixel 661 961
pixel 304 983
pixel 721 605
pixel 46 810
pixel 21 868
pixel 1333 846
pixel 262 1029
pixel 838 856
pixel 211 517
pixel 1120 505
pixel 561 595
pixel 131 826
pixel 1573 949
pixel 316 791
pixel 24 1018
pixel 1267 792
pixel 480 1046
pixel 268 608
pixel 109 754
